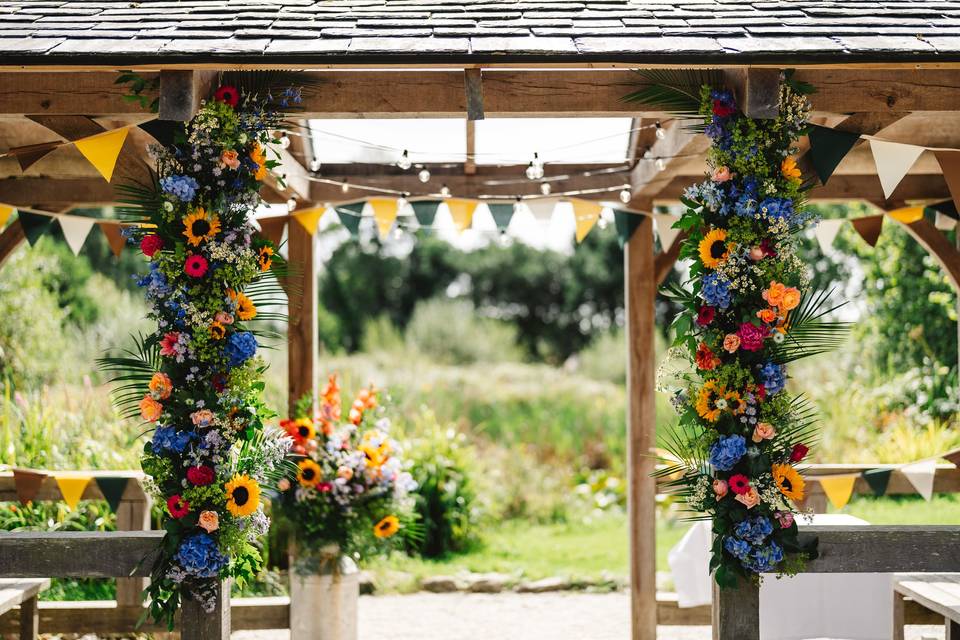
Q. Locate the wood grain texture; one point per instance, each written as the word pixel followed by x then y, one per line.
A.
pixel 757 90
pixel 10 239
pixel 473 88
pixel 302 327
pixel 78 554
pixel 736 612
pixel 181 92
pixel 197 624
pixel 885 549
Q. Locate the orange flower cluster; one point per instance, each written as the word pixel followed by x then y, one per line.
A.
pixel 782 300
pixel 330 411
pixel 366 400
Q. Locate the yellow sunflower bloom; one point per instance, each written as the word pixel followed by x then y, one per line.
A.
pixel 790 170
pixel 200 226
pixel 386 527
pixel 217 330
pixel 243 495
pixel 258 155
pixel 789 481
pixel 265 258
pixel 706 401
pixel 246 310
pixel 713 249
pixel 308 473
pixel 735 403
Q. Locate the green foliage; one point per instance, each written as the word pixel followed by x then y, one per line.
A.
pixel 451 332
pixel 142 91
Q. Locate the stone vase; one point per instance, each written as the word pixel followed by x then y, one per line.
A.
pixel 323 598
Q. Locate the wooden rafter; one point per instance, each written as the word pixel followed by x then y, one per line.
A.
pixel 674 151
pixel 10 239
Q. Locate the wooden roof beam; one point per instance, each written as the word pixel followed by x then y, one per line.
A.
pixel 32 191
pixel 182 92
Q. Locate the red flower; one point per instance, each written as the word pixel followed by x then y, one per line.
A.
pixel 767 247
pixel 706 359
pixel 799 452
pixel 761 392
pixel 722 109
pixel 177 506
pixel 195 266
pixel 168 344
pixel 739 484
pixel 324 487
pixel 228 95
pixel 201 475
pixel 751 336
pixel 219 382
pixel 151 244
pixel 705 315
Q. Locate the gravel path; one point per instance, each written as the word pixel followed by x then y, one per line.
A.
pixel 508 616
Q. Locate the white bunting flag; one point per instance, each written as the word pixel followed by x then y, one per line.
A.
pixel 75 231
pixel 921 474
pixel 665 229
pixel 893 161
pixel 542 208
pixel 943 222
pixel 826 232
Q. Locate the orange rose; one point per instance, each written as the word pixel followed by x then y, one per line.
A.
pixel 767 315
pixel 774 294
pixel 160 386
pixel 731 342
pixel 230 159
pixel 790 299
pixel 209 521
pixel 763 431
pixel 150 409
pixel 750 499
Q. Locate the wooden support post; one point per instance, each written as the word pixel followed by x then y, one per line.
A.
pixel 197 624
pixel 10 239
pixel 736 612
pixel 951 629
pixel 899 608
pixel 640 291
pixel 29 619
pixel 133 514
pixel 473 85
pixel 182 91
pixel 757 91
pixel 302 329
pixel 470 161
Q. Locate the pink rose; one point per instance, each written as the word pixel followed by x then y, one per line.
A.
pixel 757 254
pixel 750 499
pixel 721 174
pixel 785 518
pixel 731 342
pixel 202 418
pixel 283 484
pixel 209 521
pixel 223 317
pixel 763 431
pixel 751 336
pixel 719 487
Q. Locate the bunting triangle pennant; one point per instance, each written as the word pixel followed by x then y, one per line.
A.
pixel 384 214
pixel 893 160
pixel 103 149
pixel 309 218
pixel 943 222
pixel 626 223
pixel 950 166
pixel 29 155
pixel 112 489
pixel 585 213
pixel 5 213
pixel 542 208
pixel 163 131
pixel 665 230
pixel 34 225
pixel 27 484
pixel 906 215
pixel 502 214
pixel 114 235
pixel 921 474
pixel 826 232
pixel 75 231
pixel 272 228
pixel 350 216
pixel 425 212
pixel 947 208
pixel 838 489
pixel 877 480
pixel 869 228
pixel 461 210
pixel 953 457
pixel 828 147
pixel 72 487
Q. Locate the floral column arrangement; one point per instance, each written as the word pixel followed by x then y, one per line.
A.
pixel 748 312
pixel 196 381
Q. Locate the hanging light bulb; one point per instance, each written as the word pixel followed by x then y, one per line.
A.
pixel 284 141
pixel 531 173
pixel 660 164
pixel 424 175
pixel 314 165
pixel 397 232
pixel 504 240
pixel 545 188
pixel 660 132
pixel 537 162
pixel 291 204
pixel 404 161
pixel 625 196
pixel 345 186
pixel 602 223
pixel 402 204
pixel 445 191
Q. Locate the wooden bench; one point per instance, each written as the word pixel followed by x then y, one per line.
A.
pixel 938 592
pixel 23 592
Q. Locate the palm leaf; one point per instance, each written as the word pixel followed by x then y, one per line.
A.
pixel 809 334
pixel 138 201
pixel 676 91
pixel 134 370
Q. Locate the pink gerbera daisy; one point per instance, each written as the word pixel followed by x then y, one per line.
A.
pixel 195 266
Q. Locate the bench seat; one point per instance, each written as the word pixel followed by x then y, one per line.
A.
pixel 938 592
pixel 23 592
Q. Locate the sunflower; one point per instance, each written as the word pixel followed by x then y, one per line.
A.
pixel 735 403
pixel 303 430
pixel 387 527
pixel 265 258
pixel 199 226
pixel 707 401
pixel 713 249
pixel 789 481
pixel 243 495
pixel 246 310
pixel 790 170
pixel 217 330
pixel 308 473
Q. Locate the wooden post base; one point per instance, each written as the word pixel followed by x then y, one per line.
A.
pixel 197 624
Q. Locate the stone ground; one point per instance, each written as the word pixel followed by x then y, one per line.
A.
pixel 507 616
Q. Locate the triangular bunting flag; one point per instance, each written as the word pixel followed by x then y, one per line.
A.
pixel 953 457
pixel 626 223
pixel 5 213
pixel 947 208
pixel 826 232
pixel 921 474
pixel 502 214
pixel 103 149
pixel 272 228
pixel 75 231
pixel 29 155
pixel 585 213
pixel 878 479
pixel 906 215
pixel 163 131
pixel 384 214
pixel 112 489
pixel 27 484
pixel 461 211
pixel 34 225
pixel 838 489
pixel 828 147
pixel 72 487
pixel 943 222
pixel 665 230
pixel 893 160
pixel 950 166
pixel 425 212
pixel 542 208
pixel 869 228
pixel 350 216
pixel 309 218
pixel 114 235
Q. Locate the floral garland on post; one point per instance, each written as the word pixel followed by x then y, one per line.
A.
pixel 748 311
pixel 196 381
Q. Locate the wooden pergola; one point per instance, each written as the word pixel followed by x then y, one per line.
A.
pixel 898 80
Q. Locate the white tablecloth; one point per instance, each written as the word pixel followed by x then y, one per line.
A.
pixel 852 606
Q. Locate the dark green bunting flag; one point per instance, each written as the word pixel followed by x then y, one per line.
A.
pixel 626 224
pixel 828 147
pixel 878 479
pixel 34 225
pixel 425 211
pixel 502 214
pixel 112 489
pixel 350 216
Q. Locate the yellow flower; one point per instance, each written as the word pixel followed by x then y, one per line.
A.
pixel 706 401
pixel 265 258
pixel 387 527
pixel 246 310
pixel 735 403
pixel 243 495
pixel 713 249
pixel 217 330
pixel 789 481
pixel 789 169
pixel 199 226
pixel 308 473
pixel 260 158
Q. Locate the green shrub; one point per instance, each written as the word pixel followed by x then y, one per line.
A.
pixel 452 332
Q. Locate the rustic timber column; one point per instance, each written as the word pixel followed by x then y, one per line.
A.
pixel 133 514
pixel 197 624
pixel 640 289
pixel 736 612
pixel 302 330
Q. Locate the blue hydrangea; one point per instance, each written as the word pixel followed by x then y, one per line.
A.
pixel 727 451
pixel 754 530
pixel 183 188
pixel 169 439
pixel 763 559
pixel 773 377
pixel 777 209
pixel 200 557
pixel 716 290
pixel 736 547
pixel 240 347
pixel 154 282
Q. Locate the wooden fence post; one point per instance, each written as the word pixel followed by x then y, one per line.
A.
pixel 133 514
pixel 736 612
pixel 197 624
pixel 302 329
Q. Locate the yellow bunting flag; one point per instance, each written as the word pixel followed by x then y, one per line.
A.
pixel 462 212
pixel 384 213
pixel 114 235
pixel 103 149
pixel 907 215
pixel 72 487
pixel 309 218
pixel 586 213
pixel 5 213
pixel 838 488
